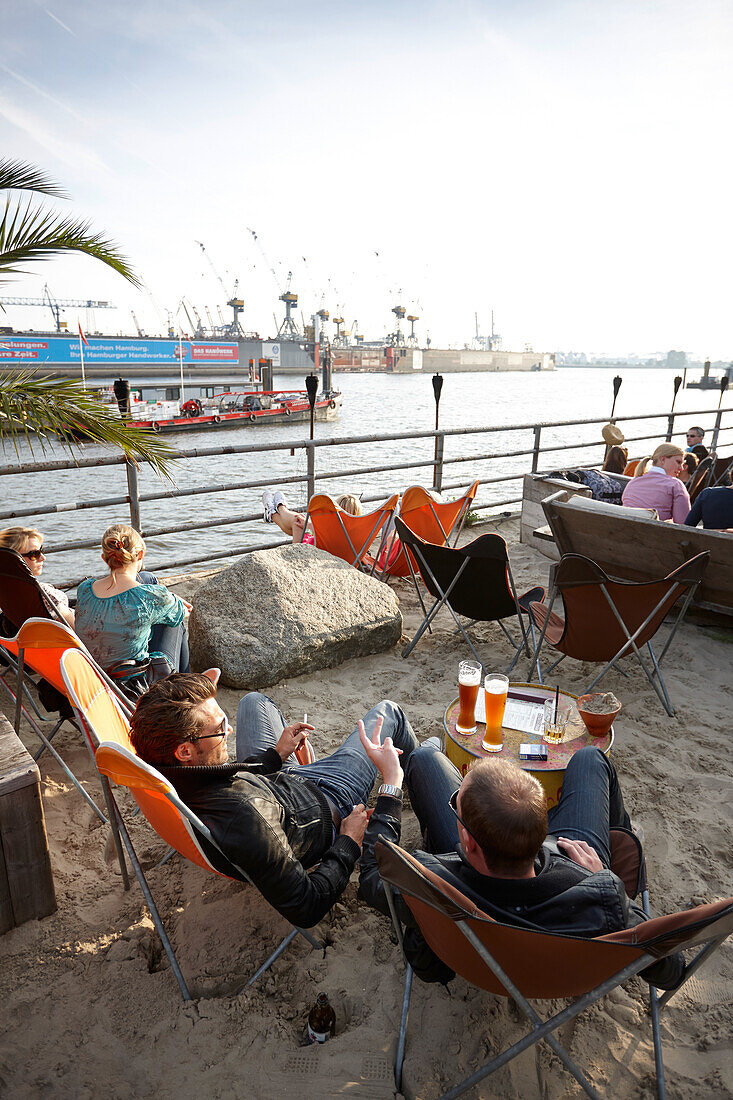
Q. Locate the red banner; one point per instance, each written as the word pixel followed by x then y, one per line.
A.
pixel 214 351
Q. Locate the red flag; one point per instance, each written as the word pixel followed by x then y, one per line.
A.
pixel 81 334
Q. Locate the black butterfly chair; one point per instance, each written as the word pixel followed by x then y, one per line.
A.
pixel 474 581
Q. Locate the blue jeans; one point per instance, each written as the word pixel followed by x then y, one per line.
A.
pixel 590 802
pixel 171 641
pixel 347 775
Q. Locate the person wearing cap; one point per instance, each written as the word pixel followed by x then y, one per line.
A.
pixel 612 435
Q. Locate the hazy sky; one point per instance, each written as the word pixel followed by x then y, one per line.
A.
pixel 567 164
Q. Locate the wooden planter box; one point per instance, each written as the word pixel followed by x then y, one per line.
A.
pixel 26 882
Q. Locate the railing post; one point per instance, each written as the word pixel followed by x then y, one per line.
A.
pixel 716 430
pixel 670 427
pixel 438 465
pixel 536 449
pixel 311 470
pixel 134 494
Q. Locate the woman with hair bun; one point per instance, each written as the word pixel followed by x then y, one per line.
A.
pixel 660 487
pixel 127 617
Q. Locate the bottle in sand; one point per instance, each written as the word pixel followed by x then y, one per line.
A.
pixel 321 1020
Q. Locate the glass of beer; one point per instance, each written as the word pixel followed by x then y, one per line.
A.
pixel 496 686
pixel 469 681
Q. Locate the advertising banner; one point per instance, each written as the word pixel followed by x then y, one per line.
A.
pixel 63 349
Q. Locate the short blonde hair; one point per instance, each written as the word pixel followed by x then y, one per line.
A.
pixel 121 545
pixel 347 502
pixel 15 538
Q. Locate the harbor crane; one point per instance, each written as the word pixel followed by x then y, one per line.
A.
pixel 137 323
pixel 235 303
pixel 288 326
pixel 396 339
pixel 56 305
pixel 412 338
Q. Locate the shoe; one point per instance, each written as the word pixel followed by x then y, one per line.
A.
pixel 270 508
pixel 277 500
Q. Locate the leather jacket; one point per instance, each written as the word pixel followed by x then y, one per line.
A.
pixel 276 827
pixel 589 904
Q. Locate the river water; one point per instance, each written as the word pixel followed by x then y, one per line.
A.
pixel 373 404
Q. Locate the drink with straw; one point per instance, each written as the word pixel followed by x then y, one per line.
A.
pixel 555 722
pixel 496 687
pixel 469 680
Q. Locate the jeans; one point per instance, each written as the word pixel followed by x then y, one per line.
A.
pixel 590 803
pixel 171 641
pixel 347 775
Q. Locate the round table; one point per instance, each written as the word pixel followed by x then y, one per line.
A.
pixel 464 751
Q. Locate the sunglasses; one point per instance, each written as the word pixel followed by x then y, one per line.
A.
pixel 221 732
pixel 453 803
pixel 34 555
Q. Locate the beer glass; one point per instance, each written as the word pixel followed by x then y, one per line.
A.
pixel 496 686
pixel 469 680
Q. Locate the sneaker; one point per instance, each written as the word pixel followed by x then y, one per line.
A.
pixel 268 502
pixel 277 500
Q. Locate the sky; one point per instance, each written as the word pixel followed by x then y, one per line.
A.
pixel 566 164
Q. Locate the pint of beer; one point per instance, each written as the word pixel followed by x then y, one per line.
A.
pixel 496 687
pixel 469 680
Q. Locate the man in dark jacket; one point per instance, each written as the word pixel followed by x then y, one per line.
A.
pixel 714 507
pixel 488 836
pixel 296 831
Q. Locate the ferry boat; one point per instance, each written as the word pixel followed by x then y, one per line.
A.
pixel 233 410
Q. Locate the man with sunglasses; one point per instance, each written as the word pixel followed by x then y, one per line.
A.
pixel 490 836
pixel 296 830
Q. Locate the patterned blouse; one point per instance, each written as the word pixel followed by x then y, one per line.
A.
pixel 117 628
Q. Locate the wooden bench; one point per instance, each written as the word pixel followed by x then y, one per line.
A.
pixel 26 882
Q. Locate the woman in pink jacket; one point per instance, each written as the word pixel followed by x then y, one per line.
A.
pixel 660 487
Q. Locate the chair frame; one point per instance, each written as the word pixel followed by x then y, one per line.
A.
pixel 427 501
pixel 381 516
pixel 408 537
pixel 451 906
pixel 603 580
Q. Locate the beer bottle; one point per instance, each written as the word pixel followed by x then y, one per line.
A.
pixel 321 1020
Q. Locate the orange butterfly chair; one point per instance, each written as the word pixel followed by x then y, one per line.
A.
pixel 109 734
pixel 431 520
pixel 349 537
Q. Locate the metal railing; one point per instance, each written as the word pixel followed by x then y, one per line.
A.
pixel 435 465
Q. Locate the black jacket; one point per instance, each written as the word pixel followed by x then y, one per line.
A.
pixel 563 897
pixel 276 827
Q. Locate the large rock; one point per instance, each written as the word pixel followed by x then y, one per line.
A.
pixel 283 612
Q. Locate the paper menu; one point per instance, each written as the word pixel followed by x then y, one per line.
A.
pixel 518 715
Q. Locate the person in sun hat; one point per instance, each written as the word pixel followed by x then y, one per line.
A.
pixel 612 435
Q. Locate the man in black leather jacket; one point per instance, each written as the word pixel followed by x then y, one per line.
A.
pixel 296 831
pixel 488 836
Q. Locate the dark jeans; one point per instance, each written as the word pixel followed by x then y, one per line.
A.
pixel 171 641
pixel 347 775
pixel 590 803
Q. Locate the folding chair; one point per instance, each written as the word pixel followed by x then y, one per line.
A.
pixel 522 963
pixel 607 619
pixel 701 478
pixel 349 537
pixel 475 581
pixel 434 521
pixel 109 735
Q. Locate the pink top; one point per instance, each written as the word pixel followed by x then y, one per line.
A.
pixel 656 489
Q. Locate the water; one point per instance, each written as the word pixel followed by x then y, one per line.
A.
pixel 373 404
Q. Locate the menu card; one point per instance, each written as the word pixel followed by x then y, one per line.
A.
pixel 519 715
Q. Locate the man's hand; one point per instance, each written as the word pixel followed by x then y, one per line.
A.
pixel 291 738
pixel 355 824
pixel 385 757
pixel 580 853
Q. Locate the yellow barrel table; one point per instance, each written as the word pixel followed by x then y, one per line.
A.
pixel 464 751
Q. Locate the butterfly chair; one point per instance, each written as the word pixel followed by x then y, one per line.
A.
pixel 607 619
pixel 432 520
pixel 701 478
pixel 523 963
pixel 109 735
pixel 346 536
pixel 474 581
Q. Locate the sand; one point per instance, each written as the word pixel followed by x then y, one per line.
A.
pixel 91 1008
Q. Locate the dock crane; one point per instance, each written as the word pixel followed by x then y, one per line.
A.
pixel 56 305
pixel 137 324
pixel 235 303
pixel 412 338
pixel 288 326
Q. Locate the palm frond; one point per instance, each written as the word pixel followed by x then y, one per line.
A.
pixel 16 175
pixel 40 409
pixel 28 234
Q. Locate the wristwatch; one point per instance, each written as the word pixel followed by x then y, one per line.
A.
pixel 391 789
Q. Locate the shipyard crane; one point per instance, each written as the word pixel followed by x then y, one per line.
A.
pixel 412 338
pixel 56 304
pixel 396 339
pixel 235 303
pixel 288 326
pixel 137 323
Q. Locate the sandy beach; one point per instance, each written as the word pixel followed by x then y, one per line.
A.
pixel 91 1007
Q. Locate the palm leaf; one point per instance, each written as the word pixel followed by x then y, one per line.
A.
pixel 16 175
pixel 40 409
pixel 28 234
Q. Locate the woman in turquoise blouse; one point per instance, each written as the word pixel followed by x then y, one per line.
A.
pixel 123 621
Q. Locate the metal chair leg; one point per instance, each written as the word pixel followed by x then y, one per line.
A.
pixel 400 1056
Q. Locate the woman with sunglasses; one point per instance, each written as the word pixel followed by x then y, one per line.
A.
pixel 28 542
